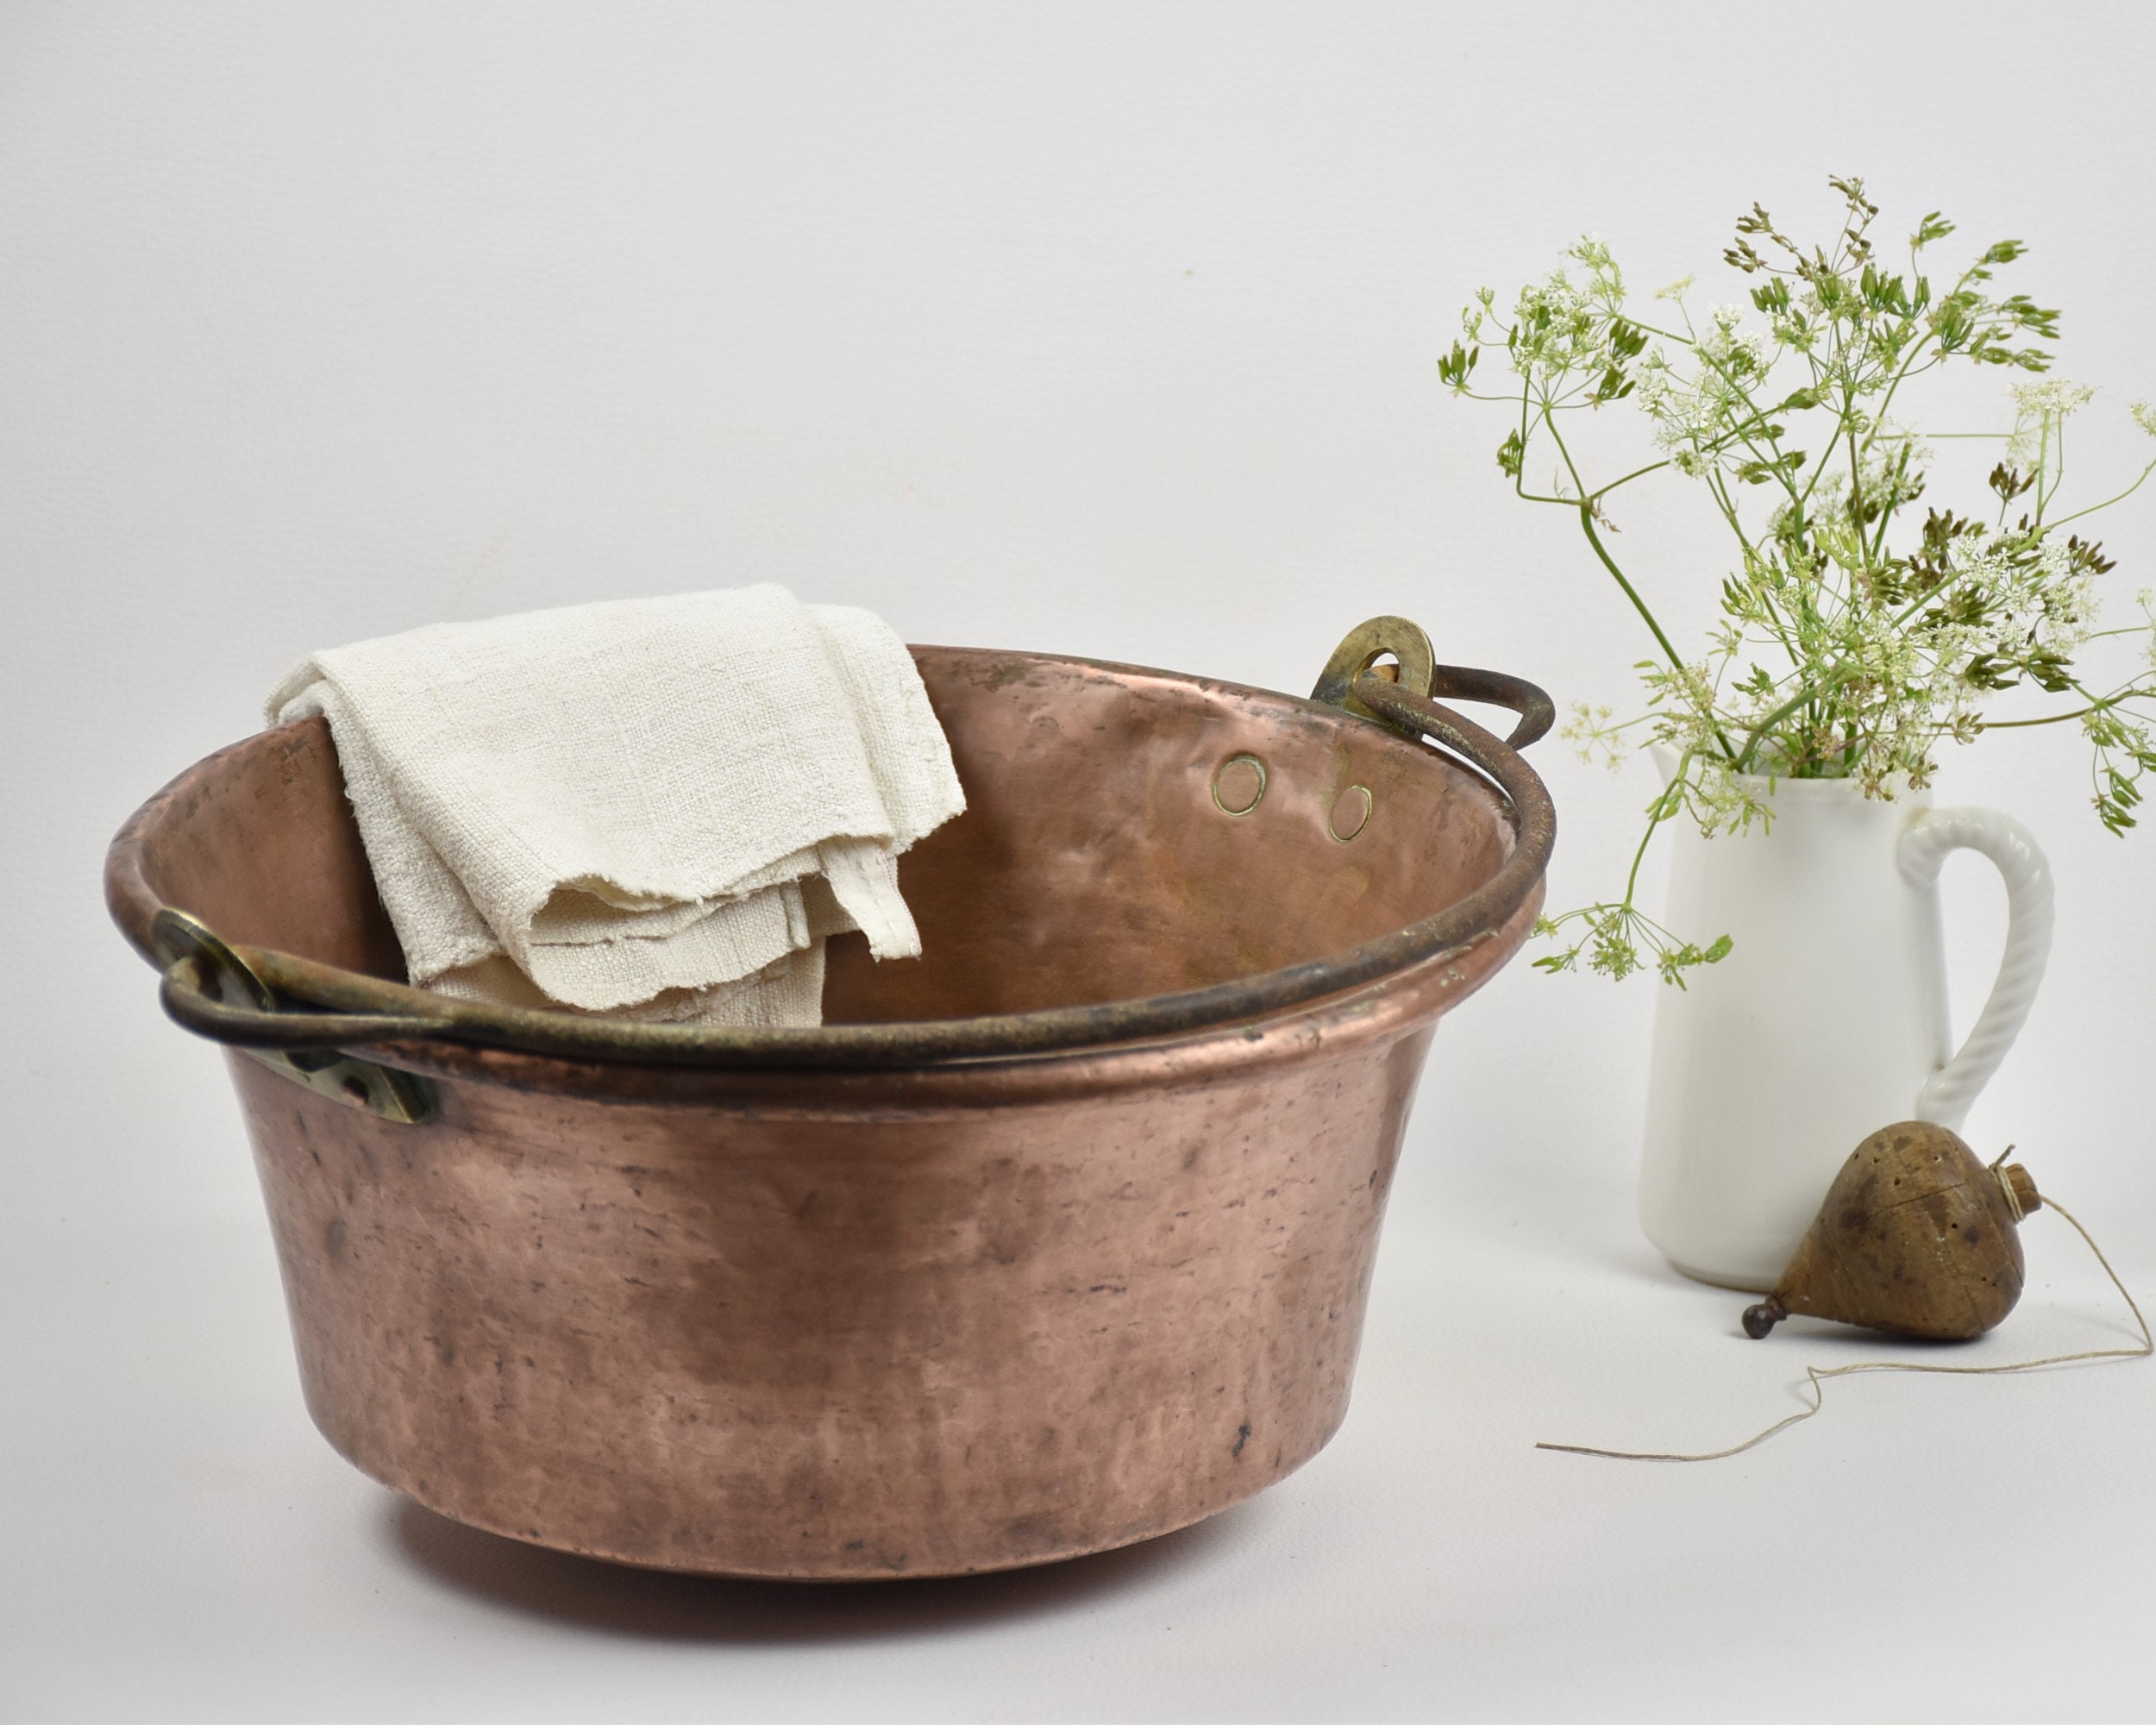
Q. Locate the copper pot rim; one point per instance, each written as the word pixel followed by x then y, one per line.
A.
pixel 1391 1008
pixel 416 1030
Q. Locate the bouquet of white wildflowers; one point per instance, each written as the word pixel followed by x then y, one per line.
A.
pixel 1854 640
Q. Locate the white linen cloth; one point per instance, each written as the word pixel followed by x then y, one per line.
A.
pixel 652 808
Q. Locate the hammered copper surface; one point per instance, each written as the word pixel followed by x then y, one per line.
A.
pixel 876 1323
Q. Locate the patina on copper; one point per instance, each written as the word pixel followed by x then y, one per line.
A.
pixel 1062 1242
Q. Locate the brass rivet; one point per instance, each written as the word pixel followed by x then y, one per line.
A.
pixel 1350 813
pixel 1238 786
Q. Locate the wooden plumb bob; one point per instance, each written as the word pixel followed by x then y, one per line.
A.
pixel 1916 1237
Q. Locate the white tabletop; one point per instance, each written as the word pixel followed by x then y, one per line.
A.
pixel 182 1543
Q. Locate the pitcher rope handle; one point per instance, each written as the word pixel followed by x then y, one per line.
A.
pixel 1947 1094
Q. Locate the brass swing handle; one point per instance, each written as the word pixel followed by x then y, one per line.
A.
pixel 1418 672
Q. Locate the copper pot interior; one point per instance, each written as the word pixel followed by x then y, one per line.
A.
pixel 1128 834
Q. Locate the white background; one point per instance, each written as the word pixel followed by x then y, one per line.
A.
pixel 1108 330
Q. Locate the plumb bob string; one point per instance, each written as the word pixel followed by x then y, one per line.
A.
pixel 1817 1375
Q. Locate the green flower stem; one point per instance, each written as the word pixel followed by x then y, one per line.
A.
pixel 1564 453
pixel 2050 469
pixel 1595 540
pixel 2053 719
pixel 1597 496
pixel 1666 806
pixel 2109 501
pixel 2133 691
pixel 1585 504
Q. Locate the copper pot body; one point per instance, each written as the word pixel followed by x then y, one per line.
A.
pixel 865 1324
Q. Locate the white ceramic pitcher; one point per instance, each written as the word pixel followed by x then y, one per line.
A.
pixel 1827 1019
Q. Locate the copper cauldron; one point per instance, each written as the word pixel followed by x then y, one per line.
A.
pixel 1053 1239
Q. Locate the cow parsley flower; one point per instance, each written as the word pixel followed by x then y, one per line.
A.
pixel 2055 396
pixel 2041 409
pixel 1858 635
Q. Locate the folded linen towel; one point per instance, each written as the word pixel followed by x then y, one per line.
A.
pixel 654 808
